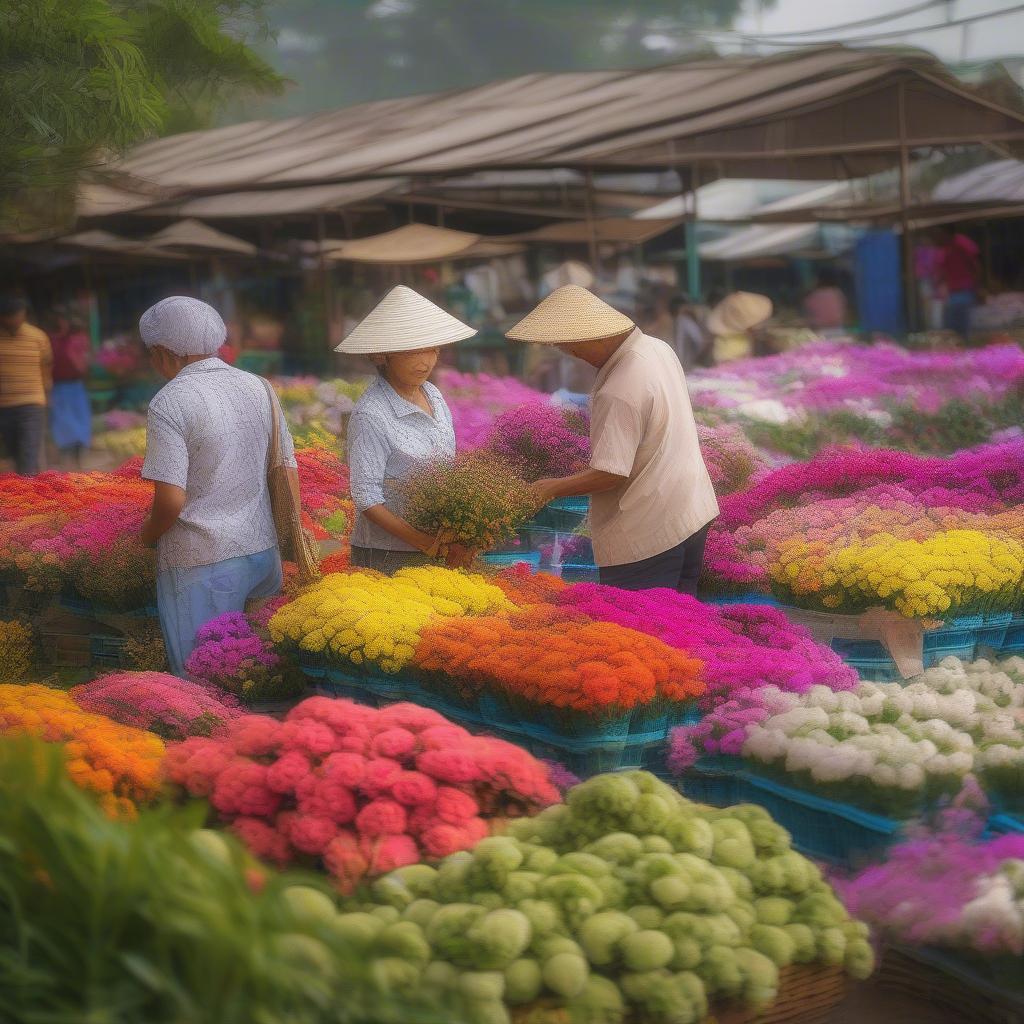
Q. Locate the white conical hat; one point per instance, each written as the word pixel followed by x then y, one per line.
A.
pixel 404 321
pixel 570 313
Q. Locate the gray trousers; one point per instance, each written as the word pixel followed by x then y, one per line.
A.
pixel 21 431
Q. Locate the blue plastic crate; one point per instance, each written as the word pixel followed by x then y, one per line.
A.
pixel 648 725
pixel 1002 824
pixel 958 638
pixel 751 598
pixel 876 670
pixel 825 829
pixel 580 573
pixel 1013 639
pixel 713 780
pixel 992 632
pixel 563 516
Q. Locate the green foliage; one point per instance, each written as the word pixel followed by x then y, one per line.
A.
pixel 159 922
pixel 81 78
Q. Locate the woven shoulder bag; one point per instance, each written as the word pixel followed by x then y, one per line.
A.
pixel 295 543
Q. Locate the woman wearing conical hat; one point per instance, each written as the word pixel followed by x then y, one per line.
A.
pixel 400 422
pixel 651 499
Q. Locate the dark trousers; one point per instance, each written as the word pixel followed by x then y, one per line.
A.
pixel 676 569
pixel 21 431
pixel 387 562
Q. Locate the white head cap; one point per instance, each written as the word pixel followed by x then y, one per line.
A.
pixel 184 326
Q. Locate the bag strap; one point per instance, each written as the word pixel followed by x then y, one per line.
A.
pixel 274 448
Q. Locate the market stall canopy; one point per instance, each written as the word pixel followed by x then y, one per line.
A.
pixel 816 113
pixel 761 240
pixel 1001 181
pixel 727 200
pixel 280 202
pixel 418 243
pixel 602 229
pixel 195 236
pixel 115 245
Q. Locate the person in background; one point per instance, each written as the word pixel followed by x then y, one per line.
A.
pixel 928 272
pixel 825 306
pixel 70 414
pixel 25 382
pixel 651 498
pixel 732 323
pixel 399 423
pixel 690 339
pixel 207 443
pixel 959 272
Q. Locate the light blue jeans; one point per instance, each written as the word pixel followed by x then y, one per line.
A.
pixel 189 598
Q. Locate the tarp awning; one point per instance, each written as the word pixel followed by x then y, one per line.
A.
pixel 813 113
pixel 602 229
pixel 1001 181
pixel 194 235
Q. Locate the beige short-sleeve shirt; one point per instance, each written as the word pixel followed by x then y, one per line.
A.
pixel 642 428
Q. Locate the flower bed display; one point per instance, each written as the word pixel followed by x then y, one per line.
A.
pixel 119 763
pixel 627 900
pixel 895 750
pixel 834 393
pixel 475 399
pixel 172 708
pixel 854 529
pixel 360 790
pixel 541 440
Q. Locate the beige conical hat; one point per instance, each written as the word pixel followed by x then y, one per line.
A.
pixel 570 313
pixel 738 312
pixel 404 321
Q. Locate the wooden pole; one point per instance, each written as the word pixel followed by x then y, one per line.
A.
pixel 325 279
pixel 693 279
pixel 909 305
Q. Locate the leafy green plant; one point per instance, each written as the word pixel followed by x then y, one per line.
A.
pixel 159 921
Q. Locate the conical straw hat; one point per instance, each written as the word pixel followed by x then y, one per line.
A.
pixel 571 313
pixel 738 312
pixel 404 321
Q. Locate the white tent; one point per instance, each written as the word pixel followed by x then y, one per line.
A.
pixel 999 181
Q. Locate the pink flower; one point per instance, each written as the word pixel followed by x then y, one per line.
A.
pixel 441 737
pixel 262 840
pixel 380 773
pixel 442 840
pixel 255 735
pixel 287 771
pixel 344 861
pixel 389 853
pixel 345 768
pixel 448 765
pixel 381 818
pixel 242 788
pixel 311 834
pixel 328 798
pixel 396 743
pixel 310 737
pixel 196 764
pixel 413 789
pixel 410 716
pixel 455 807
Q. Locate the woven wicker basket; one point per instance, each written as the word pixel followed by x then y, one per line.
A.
pixel 807 995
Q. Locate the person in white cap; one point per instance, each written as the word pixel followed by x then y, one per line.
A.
pixel 732 321
pixel 651 495
pixel 207 441
pixel 399 423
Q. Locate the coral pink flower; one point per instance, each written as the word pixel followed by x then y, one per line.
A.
pixel 397 743
pixel 454 807
pixel 288 771
pixel 442 840
pixel 262 840
pixel 448 765
pixel 344 861
pixel 255 735
pixel 345 768
pixel 381 772
pixel 310 737
pixel 311 834
pixel 382 818
pixel 242 789
pixel 389 853
pixel 413 789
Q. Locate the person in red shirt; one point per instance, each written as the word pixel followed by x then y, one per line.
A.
pixel 70 413
pixel 959 272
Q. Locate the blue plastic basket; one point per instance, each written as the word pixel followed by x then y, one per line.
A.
pixel 563 516
pixel 876 670
pixel 713 780
pixel 505 558
pixel 1003 824
pixel 992 632
pixel 1013 639
pixel 580 573
pixel 958 638
pixel 751 598
pixel 825 829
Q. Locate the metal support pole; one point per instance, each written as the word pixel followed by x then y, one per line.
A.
pixel 693 277
pixel 595 260
pixel 909 305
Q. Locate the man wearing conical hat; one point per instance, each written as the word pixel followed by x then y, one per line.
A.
pixel 651 499
pixel 399 423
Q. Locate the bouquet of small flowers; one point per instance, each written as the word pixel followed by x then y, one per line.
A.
pixel 231 655
pixel 473 499
pixel 540 440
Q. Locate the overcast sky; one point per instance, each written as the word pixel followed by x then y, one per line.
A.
pixel 993 37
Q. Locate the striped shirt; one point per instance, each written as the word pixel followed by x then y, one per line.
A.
pixel 388 440
pixel 25 361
